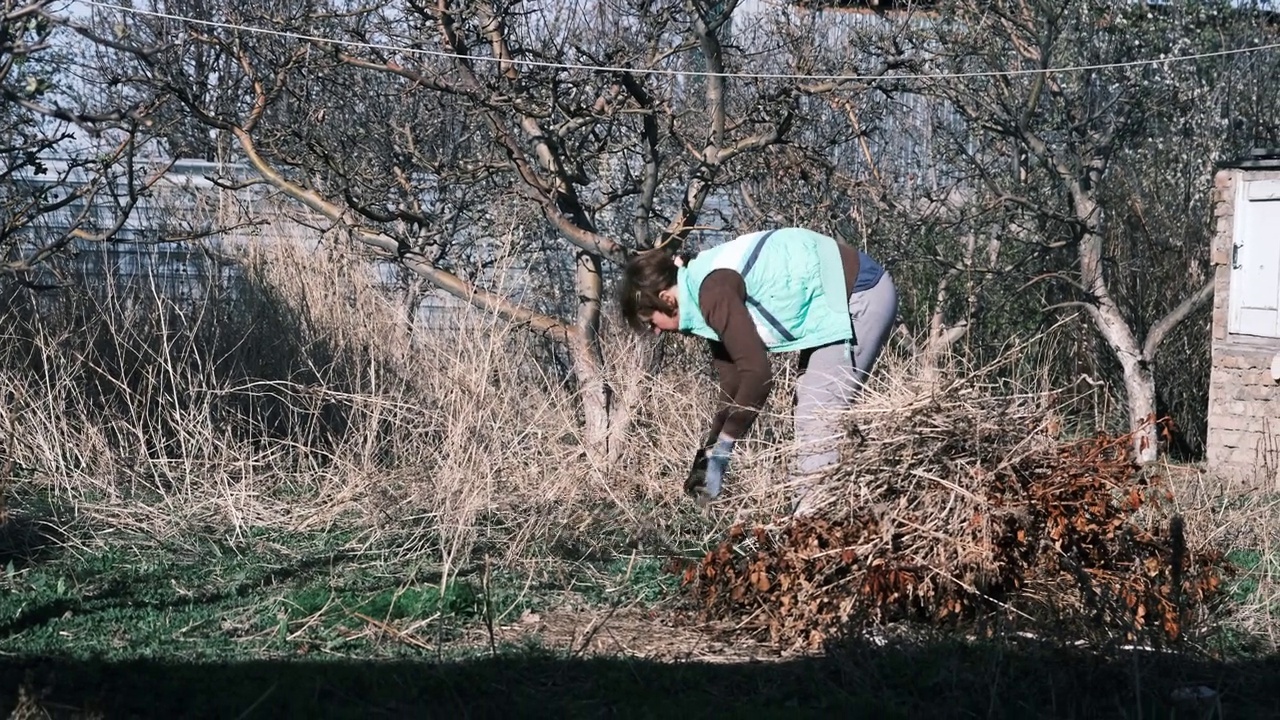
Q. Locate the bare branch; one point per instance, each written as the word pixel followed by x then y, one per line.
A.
pixel 414 261
pixel 416 79
pixel 1164 325
pixel 652 159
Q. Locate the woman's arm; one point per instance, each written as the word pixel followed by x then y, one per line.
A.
pixel 741 358
pixel 727 373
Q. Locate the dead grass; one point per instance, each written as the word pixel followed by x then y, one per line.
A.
pixel 303 399
pixel 1241 515
pixel 622 631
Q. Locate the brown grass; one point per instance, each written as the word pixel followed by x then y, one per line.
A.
pixel 1240 514
pixel 301 399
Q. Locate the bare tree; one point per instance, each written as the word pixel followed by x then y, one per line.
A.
pixel 428 129
pixel 85 196
pixel 1076 138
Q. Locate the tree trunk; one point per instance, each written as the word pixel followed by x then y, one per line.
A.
pixel 1137 363
pixel 595 395
pixel 1139 380
pixel 1140 391
pixel 588 364
pixel 941 335
pixel 937 347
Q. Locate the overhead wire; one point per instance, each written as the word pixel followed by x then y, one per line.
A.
pixel 670 71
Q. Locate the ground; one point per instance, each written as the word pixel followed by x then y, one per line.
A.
pixel 630 664
pixel 271 625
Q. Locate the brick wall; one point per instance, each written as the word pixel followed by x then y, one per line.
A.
pixel 1244 400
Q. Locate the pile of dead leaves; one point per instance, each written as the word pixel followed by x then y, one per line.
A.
pixel 965 511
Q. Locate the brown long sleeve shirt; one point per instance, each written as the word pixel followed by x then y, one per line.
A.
pixel 740 357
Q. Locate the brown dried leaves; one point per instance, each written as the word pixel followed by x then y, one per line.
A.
pixel 1054 539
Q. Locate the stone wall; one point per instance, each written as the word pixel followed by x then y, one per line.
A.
pixel 1244 399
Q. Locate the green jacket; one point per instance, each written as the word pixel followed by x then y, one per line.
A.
pixel 795 288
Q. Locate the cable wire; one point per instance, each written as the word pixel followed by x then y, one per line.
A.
pixel 663 71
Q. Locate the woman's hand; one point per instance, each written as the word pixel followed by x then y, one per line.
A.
pixel 706 477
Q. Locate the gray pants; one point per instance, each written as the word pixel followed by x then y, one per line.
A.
pixel 831 376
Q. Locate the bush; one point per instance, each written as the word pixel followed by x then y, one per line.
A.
pixel 961 504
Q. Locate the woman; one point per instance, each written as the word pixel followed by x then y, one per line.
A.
pixel 781 290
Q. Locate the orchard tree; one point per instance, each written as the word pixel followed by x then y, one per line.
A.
pixel 1103 157
pixel 427 129
pixel 48 110
pixel 870 161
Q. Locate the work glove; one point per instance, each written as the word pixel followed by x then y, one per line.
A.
pixel 706 477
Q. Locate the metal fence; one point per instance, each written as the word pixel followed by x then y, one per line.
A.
pixel 170 236
pixel 181 238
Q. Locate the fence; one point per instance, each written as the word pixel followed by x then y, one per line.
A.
pixel 180 237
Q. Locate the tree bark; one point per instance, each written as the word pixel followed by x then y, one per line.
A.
pixel 588 364
pixel 1140 394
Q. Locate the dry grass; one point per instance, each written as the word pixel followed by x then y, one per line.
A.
pixel 892 408
pixel 1241 515
pixel 301 399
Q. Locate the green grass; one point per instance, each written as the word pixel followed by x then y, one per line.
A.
pixel 276 595
pixel 269 595
pixel 627 579
pixel 1247 563
pixel 292 625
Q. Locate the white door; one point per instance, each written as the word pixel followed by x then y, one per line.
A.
pixel 1255 261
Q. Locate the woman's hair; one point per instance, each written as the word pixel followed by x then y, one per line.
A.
pixel 645 275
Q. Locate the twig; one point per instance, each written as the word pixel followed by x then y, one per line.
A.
pixel 485 588
pixel 397 634
pixel 592 628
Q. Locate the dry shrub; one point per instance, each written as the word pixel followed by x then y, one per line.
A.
pixel 1238 512
pixel 959 504
pixel 300 397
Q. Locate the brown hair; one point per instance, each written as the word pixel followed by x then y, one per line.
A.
pixel 646 275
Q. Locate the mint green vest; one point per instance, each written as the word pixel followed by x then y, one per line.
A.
pixel 795 288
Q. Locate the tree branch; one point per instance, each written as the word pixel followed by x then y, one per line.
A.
pixel 413 260
pixel 395 68
pixel 1164 325
pixel 556 195
pixel 652 160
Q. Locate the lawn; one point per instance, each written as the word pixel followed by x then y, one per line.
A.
pixel 276 624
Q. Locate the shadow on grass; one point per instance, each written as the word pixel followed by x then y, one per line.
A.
pixel 25 540
pixel 942 680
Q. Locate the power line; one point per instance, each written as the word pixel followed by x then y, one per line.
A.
pixel 661 71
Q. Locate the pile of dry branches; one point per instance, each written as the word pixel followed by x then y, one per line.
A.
pixel 960 506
